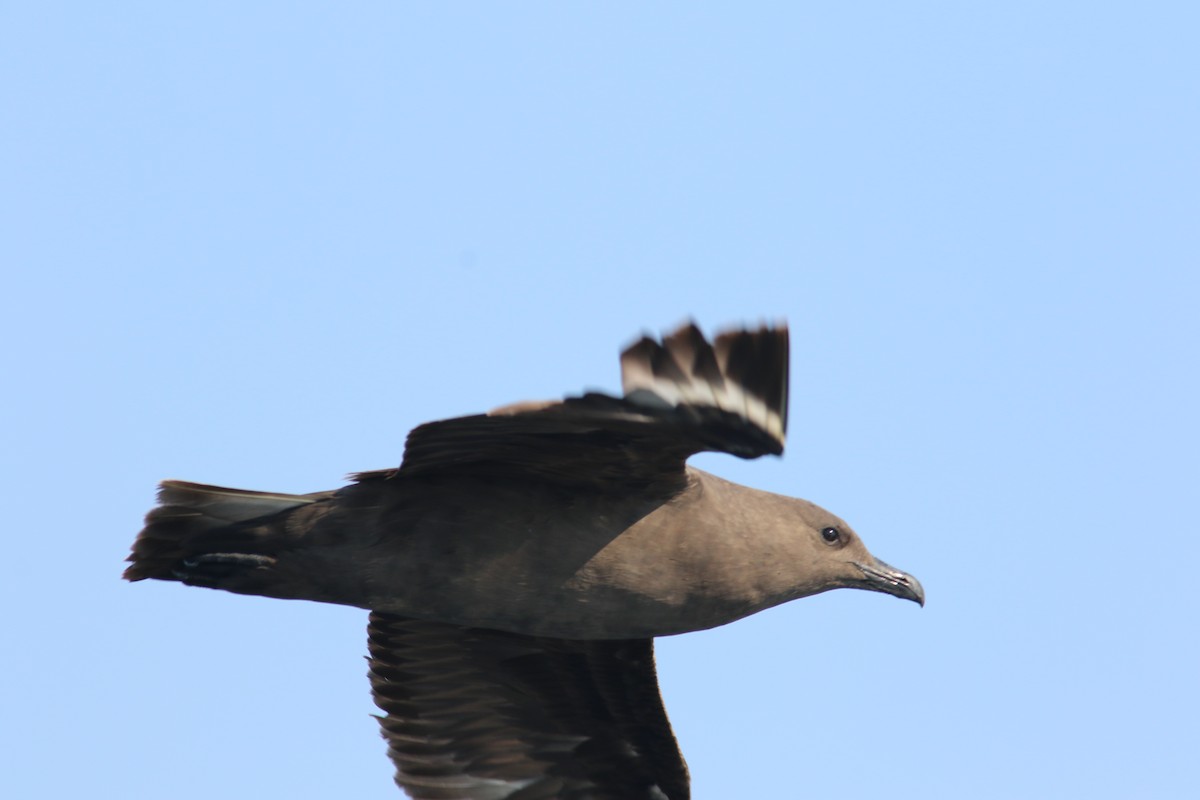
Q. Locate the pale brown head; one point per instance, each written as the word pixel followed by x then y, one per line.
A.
pixel 836 557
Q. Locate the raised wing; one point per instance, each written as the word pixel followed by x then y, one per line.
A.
pixel 475 714
pixel 740 380
pixel 681 396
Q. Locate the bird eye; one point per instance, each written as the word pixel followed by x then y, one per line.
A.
pixel 830 535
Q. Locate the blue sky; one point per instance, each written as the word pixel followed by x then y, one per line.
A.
pixel 253 244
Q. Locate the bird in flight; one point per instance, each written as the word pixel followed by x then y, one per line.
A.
pixel 518 565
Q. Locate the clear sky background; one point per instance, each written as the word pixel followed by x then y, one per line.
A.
pixel 253 244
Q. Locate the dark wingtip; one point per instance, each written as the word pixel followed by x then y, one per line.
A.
pixel 734 388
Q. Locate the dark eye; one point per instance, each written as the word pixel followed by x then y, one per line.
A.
pixel 830 535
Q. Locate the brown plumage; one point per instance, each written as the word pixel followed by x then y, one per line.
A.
pixel 518 564
pixel 590 719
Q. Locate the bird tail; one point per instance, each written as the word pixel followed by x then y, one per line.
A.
pixel 198 534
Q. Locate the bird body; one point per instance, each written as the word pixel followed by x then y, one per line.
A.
pixel 518 563
pixel 530 556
